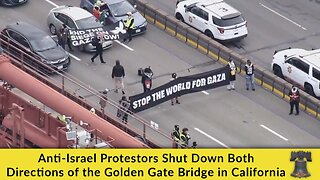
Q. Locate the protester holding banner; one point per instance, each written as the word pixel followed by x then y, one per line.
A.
pixel 233 68
pixel 65 36
pixel 61 38
pixel 129 23
pixel 97 42
pixel 249 68
pixel 118 75
pixel 174 77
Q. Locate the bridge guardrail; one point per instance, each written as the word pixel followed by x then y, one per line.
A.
pixel 220 53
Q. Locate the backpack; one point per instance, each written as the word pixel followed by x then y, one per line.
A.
pixel 95 41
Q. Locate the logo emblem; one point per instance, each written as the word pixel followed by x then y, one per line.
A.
pixel 190 19
pixel 289 69
pixel 300 159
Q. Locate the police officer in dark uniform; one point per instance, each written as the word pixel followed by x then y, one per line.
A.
pixel 175 135
pixel 294 95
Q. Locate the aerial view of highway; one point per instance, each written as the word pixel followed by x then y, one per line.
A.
pixel 218 117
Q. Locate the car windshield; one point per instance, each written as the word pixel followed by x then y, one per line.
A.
pixel 229 22
pixel 121 8
pixel 87 23
pixel 43 44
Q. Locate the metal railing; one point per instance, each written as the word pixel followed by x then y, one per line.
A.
pixel 89 98
pixel 220 53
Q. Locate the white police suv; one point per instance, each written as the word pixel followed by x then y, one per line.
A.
pixel 299 66
pixel 215 18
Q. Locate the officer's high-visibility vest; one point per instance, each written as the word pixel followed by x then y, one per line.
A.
pixel 128 23
pixel 182 139
pixel 62 118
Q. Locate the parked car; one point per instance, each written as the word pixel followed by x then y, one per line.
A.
pixel 38 46
pixel 299 66
pixel 215 18
pixel 12 2
pixel 118 12
pixel 74 18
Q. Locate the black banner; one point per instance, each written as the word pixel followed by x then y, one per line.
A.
pixel 84 36
pixel 180 86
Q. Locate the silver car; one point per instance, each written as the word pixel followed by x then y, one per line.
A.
pixel 74 18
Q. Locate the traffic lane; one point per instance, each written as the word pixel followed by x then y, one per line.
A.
pixel 306 13
pixel 34 12
pixel 268 31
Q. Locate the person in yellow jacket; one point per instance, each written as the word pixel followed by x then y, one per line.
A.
pixel 129 23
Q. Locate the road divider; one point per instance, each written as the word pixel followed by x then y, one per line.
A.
pixel 222 54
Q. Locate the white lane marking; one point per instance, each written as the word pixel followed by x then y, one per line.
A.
pixel 212 138
pixel 273 132
pixel 205 92
pixel 52 3
pixel 283 16
pixel 124 45
pixel 74 57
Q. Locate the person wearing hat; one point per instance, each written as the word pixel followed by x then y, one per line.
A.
pixel 294 96
pixel 175 135
pixel 129 24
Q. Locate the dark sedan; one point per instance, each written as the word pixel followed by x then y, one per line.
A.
pixel 12 2
pixel 39 49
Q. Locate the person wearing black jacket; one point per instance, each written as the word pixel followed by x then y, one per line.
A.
pixel 146 79
pixel 118 75
pixel 97 42
pixel 294 96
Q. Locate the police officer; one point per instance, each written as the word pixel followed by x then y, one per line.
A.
pixel 249 68
pixel 129 23
pixel 185 137
pixel 294 100
pixel 175 135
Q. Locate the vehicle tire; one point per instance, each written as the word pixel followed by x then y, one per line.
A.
pixel 308 89
pixel 277 71
pixel 179 17
pixel 209 34
pixel 53 29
